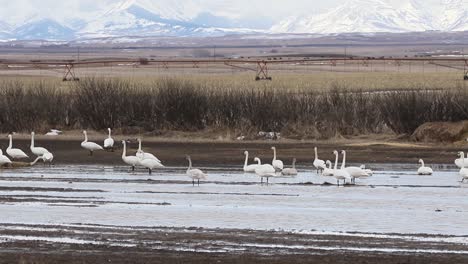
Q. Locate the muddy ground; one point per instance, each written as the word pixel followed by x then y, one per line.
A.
pixel 218 153
pixel 168 245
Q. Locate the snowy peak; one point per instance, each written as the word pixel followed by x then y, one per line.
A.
pixel 43 29
pixel 381 16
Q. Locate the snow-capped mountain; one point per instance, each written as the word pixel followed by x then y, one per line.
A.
pixel 150 18
pixel 134 18
pixel 381 16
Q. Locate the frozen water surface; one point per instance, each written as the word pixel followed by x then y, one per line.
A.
pixel 394 200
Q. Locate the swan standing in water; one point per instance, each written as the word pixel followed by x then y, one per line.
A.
pixel 277 164
pixel 14 152
pixel 129 160
pixel 265 171
pixel 46 158
pixel 195 174
pixel 4 159
pixel 423 170
pixel 109 141
pixel 90 146
pixel 340 174
pixel 328 171
pixel 463 171
pixel 151 164
pixel 248 168
pixel 144 155
pixel 38 151
pixel 291 171
pixel 354 172
pixel 318 163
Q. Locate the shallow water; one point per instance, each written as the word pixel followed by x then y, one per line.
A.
pixel 394 200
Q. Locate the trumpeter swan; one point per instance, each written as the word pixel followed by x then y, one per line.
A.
pixel 291 171
pixel 423 170
pixel 4 159
pixel 461 162
pixel 109 141
pixel 46 158
pixel 129 160
pixel 144 155
pixel 248 168
pixel 463 171
pixel 340 174
pixel 195 174
pixel 318 163
pixel 277 164
pixel 368 171
pixel 37 150
pixel 328 171
pixel 53 133
pixel 90 146
pixel 14 152
pixel 151 164
pixel 265 171
pixel 354 172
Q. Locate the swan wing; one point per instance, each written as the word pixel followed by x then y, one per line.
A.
pixel 146 155
pixel 356 172
pixel 196 174
pixel 91 146
pixel 320 164
pixel 151 164
pixel 108 143
pixel 17 153
pixel 39 151
pixel 278 164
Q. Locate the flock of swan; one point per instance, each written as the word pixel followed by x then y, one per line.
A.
pixel 342 174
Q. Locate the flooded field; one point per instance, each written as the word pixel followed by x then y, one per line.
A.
pixel 393 212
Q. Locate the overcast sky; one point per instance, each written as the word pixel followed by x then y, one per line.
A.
pixel 17 11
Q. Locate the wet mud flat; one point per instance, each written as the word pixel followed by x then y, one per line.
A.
pixel 108 214
pixel 81 243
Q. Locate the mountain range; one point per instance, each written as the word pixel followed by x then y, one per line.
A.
pixel 171 18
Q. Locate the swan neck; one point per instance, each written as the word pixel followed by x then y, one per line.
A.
pixel 11 142
pixel 109 133
pixel 32 140
pixel 35 161
pixel 139 145
pixel 316 154
pixel 246 159
pixel 294 164
pixel 85 137
pixel 343 165
pixel 124 153
pixel 422 163
pixel 274 154
pixel 190 164
pixel 336 162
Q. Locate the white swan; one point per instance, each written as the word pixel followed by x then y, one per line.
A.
pixel 368 171
pixel 90 146
pixel 354 172
pixel 265 171
pixel 38 151
pixel 461 162
pixel 318 163
pixel 291 171
pixel 129 160
pixel 195 174
pixel 46 158
pixel 423 170
pixel 54 133
pixel 4 159
pixel 109 141
pixel 248 168
pixel 277 164
pixel 328 171
pixel 463 171
pixel 13 152
pixel 144 155
pixel 340 174
pixel 258 160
